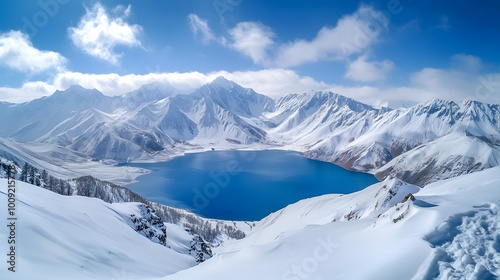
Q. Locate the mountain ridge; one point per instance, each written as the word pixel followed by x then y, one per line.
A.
pixel 221 114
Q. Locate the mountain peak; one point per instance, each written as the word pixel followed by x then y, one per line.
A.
pixel 158 86
pixel 77 96
pixel 152 92
pixel 472 103
pixel 76 87
pixel 223 82
pixel 330 97
pixel 77 90
pixel 436 105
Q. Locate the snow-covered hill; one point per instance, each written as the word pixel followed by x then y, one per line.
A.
pixel 59 237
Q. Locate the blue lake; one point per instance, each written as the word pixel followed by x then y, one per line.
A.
pixel 243 185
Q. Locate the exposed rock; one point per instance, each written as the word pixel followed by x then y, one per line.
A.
pixel 199 249
pixel 150 225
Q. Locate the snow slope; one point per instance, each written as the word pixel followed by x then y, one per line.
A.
pixel 449 229
pixel 61 237
pixel 64 163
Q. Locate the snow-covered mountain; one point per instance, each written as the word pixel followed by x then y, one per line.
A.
pixel 150 93
pixel 303 118
pixel 30 121
pixel 157 121
pixel 421 144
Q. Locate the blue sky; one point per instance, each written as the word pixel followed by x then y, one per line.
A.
pixel 393 52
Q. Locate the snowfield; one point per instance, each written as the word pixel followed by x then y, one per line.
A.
pixel 447 230
pixel 61 237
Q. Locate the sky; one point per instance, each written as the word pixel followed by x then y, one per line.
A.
pixel 384 53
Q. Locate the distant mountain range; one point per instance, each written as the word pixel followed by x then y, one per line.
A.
pixel 421 144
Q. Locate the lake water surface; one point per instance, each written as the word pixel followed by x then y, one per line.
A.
pixel 243 185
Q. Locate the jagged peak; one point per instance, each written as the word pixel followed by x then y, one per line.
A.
pixel 473 103
pixel 438 102
pixel 157 86
pixel 476 110
pixel 76 87
pixel 223 85
pixel 435 105
pixel 77 90
pixel 342 100
pixel 221 81
pixel 152 92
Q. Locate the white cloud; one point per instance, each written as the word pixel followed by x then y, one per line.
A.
pixel 462 81
pixel 467 62
pixel 17 52
pixel 28 91
pixel 362 70
pixel 200 28
pixel 98 33
pixel 353 34
pixel 253 40
pixel 454 84
pixel 273 82
pixel 114 84
pixel 451 84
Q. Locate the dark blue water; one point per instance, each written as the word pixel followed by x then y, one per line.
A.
pixel 243 185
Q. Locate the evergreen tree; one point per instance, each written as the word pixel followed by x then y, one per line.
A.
pixel 31 174
pixel 24 173
pixel 44 179
pixel 51 184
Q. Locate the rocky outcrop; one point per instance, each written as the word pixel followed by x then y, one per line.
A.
pixel 149 225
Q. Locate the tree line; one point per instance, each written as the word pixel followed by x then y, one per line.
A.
pixel 92 187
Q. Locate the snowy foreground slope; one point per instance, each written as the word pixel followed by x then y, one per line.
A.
pixel 448 230
pixel 60 237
